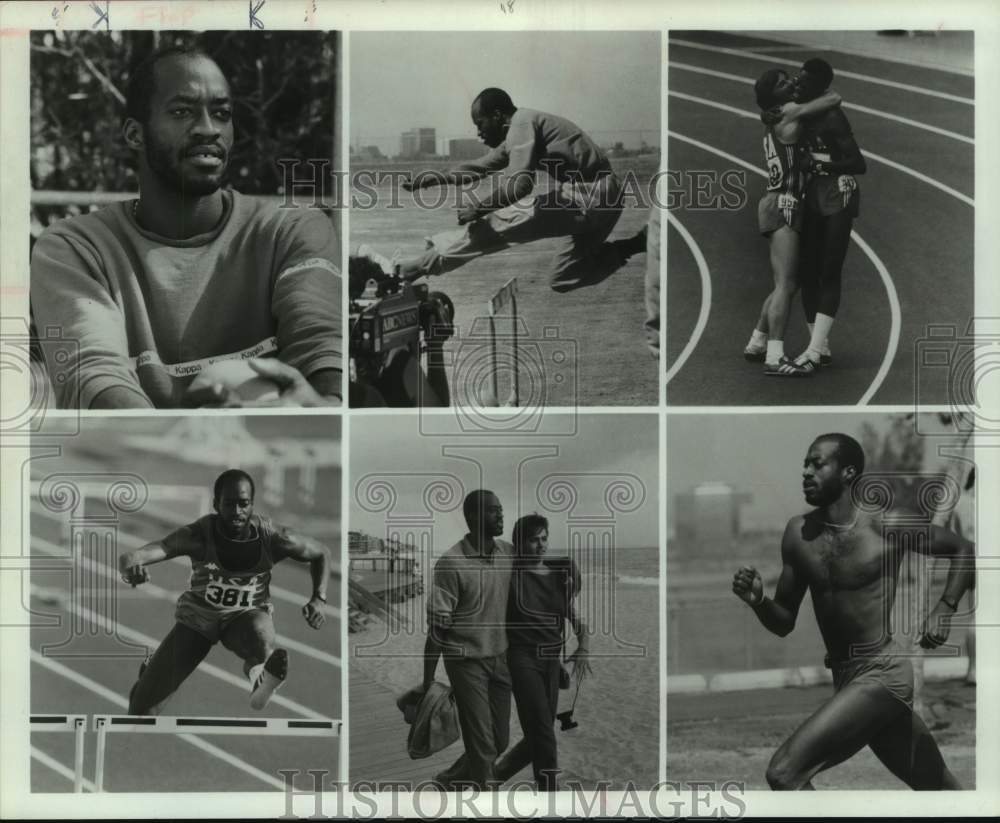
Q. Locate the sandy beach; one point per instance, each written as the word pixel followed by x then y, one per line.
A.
pixel 618 736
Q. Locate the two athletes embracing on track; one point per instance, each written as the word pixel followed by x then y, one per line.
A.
pixel 806 213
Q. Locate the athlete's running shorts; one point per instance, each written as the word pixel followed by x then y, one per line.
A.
pixel 209 622
pixel 888 668
pixel 776 209
pixel 829 194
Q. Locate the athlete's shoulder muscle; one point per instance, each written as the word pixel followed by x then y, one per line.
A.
pixel 188 540
pixel 792 541
pixel 833 123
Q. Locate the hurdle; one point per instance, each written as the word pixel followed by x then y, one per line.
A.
pixel 105 724
pixel 507 293
pixel 76 723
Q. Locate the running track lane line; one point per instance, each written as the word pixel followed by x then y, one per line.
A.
pixel 59 768
pixel 706 296
pixel 870 155
pixel 165 594
pixel 853 75
pixel 954 135
pixel 118 700
pixel 899 61
pixel 102 621
pixel 890 288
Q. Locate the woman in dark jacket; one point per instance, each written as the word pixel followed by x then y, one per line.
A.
pixel 540 604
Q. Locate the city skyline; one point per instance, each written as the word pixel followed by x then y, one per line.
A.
pixel 531 66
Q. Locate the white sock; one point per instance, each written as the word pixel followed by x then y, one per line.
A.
pixel 254 674
pixel 826 343
pixel 757 338
pixel 819 333
pixel 775 350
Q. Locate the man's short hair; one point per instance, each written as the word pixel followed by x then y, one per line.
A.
pixel 472 506
pixel 142 83
pixel 764 88
pixel 849 451
pixel 525 528
pixel 232 475
pixel 821 70
pixel 490 100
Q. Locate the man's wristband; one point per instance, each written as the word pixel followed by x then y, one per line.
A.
pixel 760 602
pixel 949 604
pixel 319 597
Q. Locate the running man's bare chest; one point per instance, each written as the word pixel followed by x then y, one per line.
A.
pixel 845 559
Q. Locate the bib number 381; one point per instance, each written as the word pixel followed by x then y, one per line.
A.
pixel 229 597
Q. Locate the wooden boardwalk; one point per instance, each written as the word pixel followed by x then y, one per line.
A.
pixel 378 737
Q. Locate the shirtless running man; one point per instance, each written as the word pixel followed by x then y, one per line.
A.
pixel 849 561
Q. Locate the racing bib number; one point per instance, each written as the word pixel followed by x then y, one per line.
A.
pixel 774 173
pixel 225 596
pixel 787 202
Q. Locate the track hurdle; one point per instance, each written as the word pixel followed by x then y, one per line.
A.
pixel 76 723
pixel 105 724
pixel 507 293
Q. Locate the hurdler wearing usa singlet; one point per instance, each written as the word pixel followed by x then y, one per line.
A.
pixel 232 554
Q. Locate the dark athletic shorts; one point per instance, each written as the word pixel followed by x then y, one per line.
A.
pixel 826 195
pixel 888 668
pixel 771 215
pixel 209 622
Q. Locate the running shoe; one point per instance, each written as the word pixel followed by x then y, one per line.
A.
pixel 786 367
pixel 274 674
pixel 754 354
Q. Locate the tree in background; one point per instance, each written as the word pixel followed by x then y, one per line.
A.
pixel 899 452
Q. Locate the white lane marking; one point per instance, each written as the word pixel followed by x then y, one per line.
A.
pixel 923 178
pixel 104 622
pixel 895 319
pixel 954 135
pixel 164 594
pixel 853 75
pixel 118 700
pixel 706 296
pixel 895 325
pixel 59 768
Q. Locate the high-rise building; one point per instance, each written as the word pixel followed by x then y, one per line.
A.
pixel 418 142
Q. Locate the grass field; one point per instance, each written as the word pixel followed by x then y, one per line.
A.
pixel 588 343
